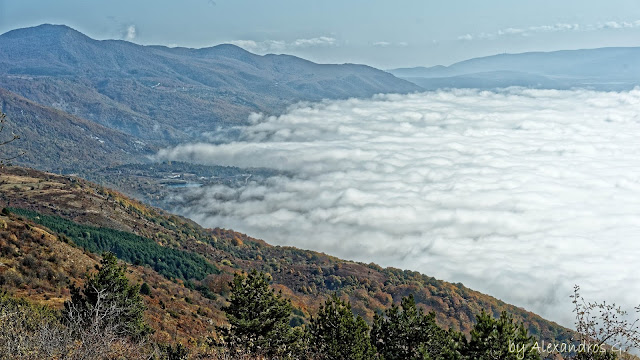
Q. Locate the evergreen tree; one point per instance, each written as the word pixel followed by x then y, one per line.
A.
pixel 337 334
pixel 107 303
pixel 258 318
pixel 501 339
pixel 404 332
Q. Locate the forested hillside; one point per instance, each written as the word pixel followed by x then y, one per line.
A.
pixel 53 140
pixel 80 214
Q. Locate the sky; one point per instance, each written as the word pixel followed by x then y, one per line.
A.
pixel 517 193
pixel 381 33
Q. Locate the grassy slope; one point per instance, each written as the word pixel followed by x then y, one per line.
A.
pixel 304 276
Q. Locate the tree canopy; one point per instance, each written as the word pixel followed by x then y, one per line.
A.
pixel 336 333
pixel 258 317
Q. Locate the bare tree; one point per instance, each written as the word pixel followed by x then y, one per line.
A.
pixel 604 326
pixel 12 138
pixel 97 336
pixel 29 332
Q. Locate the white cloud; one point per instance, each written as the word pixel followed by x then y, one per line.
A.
pixel 520 194
pixel 130 33
pixel 387 44
pixel 619 25
pixel 268 46
pixel 319 41
pixel 559 27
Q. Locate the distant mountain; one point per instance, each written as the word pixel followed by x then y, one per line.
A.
pixel 170 94
pixel 599 69
pixel 56 141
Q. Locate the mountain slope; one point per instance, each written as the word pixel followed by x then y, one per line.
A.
pixel 40 265
pixel 54 140
pixel 304 276
pixel 602 69
pixel 170 94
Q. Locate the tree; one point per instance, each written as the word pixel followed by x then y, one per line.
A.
pixel 3 159
pixel 405 332
pixel 107 303
pixel 337 334
pixel 258 318
pixel 145 289
pixel 499 339
pixel 600 324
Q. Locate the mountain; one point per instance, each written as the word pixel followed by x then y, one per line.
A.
pixel 56 225
pixel 56 141
pixel 166 95
pixel 599 69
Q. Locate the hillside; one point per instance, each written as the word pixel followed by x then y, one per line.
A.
pixel 80 212
pixel 68 142
pixel 40 265
pixel 170 94
pixel 599 69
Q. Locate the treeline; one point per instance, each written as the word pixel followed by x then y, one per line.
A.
pixel 259 327
pixel 105 320
pixel 169 262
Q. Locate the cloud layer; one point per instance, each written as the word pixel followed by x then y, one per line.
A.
pixel 270 46
pixel 519 194
pixel 554 28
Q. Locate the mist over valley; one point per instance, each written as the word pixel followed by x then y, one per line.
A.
pixel 511 192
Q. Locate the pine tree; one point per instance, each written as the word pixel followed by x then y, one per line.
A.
pixel 107 303
pixel 500 339
pixel 258 317
pixel 405 332
pixel 337 334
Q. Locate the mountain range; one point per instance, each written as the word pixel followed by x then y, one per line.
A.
pixel 166 95
pixel 603 69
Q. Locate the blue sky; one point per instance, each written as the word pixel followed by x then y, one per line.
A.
pixel 380 33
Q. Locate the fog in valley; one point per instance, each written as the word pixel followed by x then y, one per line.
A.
pixel 516 193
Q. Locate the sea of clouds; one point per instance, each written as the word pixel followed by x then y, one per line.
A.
pixel 517 193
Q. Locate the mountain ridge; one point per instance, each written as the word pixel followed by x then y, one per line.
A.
pixel 168 95
pixel 609 68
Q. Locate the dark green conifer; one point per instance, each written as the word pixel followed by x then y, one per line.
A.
pixel 500 339
pixel 404 333
pixel 258 318
pixel 337 334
